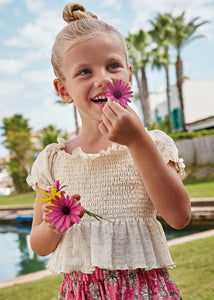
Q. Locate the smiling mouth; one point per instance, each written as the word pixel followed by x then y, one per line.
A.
pixel 100 99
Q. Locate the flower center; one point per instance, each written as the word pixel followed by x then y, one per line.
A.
pixel 66 210
pixel 117 94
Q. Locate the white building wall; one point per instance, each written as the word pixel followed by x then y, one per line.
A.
pixel 198 101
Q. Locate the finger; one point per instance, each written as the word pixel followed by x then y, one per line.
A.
pixel 103 129
pixel 44 209
pixel 46 219
pixel 76 197
pixel 106 122
pixel 130 109
pixel 107 110
pixel 116 107
pixel 82 212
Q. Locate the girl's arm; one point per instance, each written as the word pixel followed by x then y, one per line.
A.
pixel 44 237
pixel 161 180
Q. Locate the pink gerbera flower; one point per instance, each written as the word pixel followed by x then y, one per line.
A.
pixel 63 211
pixel 120 92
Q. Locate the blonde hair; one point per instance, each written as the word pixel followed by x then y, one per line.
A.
pixel 82 25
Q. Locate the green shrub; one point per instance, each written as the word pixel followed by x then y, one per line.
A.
pixel 191 134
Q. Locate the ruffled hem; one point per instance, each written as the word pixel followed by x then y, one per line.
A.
pixel 79 153
pixel 126 244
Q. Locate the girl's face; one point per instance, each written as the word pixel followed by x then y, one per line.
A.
pixel 88 67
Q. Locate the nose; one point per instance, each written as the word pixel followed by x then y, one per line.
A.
pixel 102 80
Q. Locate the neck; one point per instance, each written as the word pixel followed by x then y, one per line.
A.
pixel 92 141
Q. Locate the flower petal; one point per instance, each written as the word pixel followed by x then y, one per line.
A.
pixel 75 219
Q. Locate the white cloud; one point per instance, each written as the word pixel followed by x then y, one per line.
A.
pixel 41 77
pixel 145 11
pixel 11 66
pixel 35 6
pixel 38 34
pixel 51 113
pixel 3 2
pixel 111 3
pixel 9 88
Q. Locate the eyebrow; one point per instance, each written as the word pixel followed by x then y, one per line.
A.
pixel 81 66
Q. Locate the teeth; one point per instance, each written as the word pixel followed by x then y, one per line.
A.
pixel 99 97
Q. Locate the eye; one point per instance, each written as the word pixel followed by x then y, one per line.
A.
pixel 113 66
pixel 84 72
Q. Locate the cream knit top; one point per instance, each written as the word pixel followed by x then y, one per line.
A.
pixel 109 184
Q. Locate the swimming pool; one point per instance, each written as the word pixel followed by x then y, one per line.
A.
pixel 17 258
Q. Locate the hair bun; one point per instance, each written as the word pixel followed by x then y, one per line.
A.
pixel 75 11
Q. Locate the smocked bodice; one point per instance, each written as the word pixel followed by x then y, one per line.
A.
pixel 109 185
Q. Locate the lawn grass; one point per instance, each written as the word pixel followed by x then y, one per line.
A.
pixel 193 275
pixel 18 199
pixel 200 188
pixel 44 289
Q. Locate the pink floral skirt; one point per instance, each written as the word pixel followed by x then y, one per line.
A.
pixel 156 284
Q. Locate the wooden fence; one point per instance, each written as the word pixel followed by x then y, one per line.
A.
pixel 197 151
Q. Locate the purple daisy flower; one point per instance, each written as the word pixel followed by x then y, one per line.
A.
pixel 64 210
pixel 120 92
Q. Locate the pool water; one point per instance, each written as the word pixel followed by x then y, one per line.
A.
pixel 17 258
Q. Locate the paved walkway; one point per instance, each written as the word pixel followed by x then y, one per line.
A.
pixel 9 213
pixel 202 208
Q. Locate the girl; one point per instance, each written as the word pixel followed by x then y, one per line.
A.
pixel 121 171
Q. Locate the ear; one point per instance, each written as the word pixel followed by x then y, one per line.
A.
pixel 60 87
pixel 130 75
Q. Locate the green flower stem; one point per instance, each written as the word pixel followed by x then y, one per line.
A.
pixel 96 216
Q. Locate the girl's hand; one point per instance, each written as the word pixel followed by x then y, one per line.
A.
pixel 120 125
pixel 47 219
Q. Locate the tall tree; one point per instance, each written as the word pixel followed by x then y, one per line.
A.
pixel 162 33
pixel 139 55
pixel 184 33
pixel 18 141
pixel 50 135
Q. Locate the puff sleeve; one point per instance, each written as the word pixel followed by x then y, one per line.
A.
pixel 42 170
pixel 167 149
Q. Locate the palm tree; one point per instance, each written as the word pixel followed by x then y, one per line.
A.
pixel 162 33
pixel 183 35
pixel 139 55
pixel 17 135
pixel 50 134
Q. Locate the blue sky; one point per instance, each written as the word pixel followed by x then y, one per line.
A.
pixel 28 29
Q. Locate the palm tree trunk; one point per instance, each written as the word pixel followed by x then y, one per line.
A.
pixel 179 74
pixel 145 93
pixel 168 99
pixel 139 85
pixel 76 120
